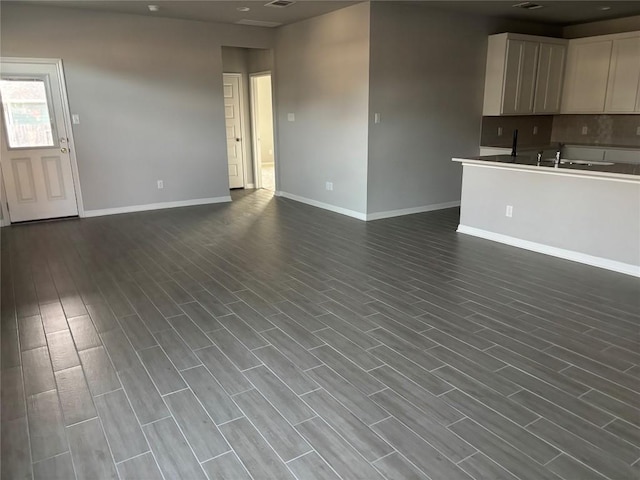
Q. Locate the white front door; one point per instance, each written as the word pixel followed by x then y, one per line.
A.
pixel 34 150
pixel 233 119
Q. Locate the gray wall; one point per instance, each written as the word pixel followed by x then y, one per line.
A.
pixel 234 60
pixel 604 222
pixel 322 76
pixel 259 60
pixel 427 82
pixel 149 95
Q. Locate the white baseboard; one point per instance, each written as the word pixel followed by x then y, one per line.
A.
pixel 250 185
pixel 155 206
pixel 365 216
pixel 325 206
pixel 412 210
pixel 579 257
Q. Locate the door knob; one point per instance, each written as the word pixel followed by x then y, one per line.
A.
pixel 63 150
pixel 237 139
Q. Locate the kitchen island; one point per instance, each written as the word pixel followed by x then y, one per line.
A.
pixel 583 211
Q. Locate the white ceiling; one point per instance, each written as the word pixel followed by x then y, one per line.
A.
pixel 209 10
pixel 554 12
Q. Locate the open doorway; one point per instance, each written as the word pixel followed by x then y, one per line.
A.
pixel 262 130
pixel 249 121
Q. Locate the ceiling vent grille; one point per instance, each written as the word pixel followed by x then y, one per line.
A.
pixel 279 3
pixel 528 5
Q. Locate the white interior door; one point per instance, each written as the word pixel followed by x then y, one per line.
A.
pixel 34 150
pixel 233 119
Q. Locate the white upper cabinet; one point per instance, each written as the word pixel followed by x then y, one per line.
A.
pixel 585 87
pixel 624 76
pixel 519 77
pixel 549 78
pixel 603 74
pixel 524 74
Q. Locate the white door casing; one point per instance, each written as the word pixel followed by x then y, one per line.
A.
pixel 35 142
pixel 234 129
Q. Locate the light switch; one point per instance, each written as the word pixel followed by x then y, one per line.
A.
pixel 376 118
pixel 75 119
pixel 291 117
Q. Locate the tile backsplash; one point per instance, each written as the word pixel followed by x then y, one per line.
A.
pixel 490 136
pixel 610 130
pixel 613 130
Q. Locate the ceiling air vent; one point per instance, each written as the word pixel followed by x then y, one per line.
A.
pixel 528 5
pixel 279 3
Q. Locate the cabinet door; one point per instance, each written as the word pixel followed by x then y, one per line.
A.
pixel 520 77
pixel 585 87
pixel 624 76
pixel 549 78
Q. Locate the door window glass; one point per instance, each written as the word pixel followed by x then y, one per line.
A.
pixel 26 113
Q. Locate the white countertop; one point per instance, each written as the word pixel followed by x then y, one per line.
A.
pixel 617 172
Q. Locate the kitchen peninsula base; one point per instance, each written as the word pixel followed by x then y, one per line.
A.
pixel 581 215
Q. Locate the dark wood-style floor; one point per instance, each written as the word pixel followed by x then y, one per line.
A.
pixel 270 339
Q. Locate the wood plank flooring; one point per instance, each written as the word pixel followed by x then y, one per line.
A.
pixel 268 339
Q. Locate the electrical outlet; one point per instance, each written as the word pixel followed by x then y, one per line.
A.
pixel 75 119
pixel 535 130
pixel 291 117
pixel 499 131
pixel 509 211
pixel 329 185
pixel 160 184
pixel 585 130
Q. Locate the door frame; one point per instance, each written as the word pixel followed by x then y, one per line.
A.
pixel 243 124
pixel 257 160
pixel 66 113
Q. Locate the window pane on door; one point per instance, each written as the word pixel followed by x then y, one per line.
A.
pixel 26 113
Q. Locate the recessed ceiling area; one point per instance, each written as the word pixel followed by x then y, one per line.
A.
pixel 258 13
pixel 550 12
pixel 211 10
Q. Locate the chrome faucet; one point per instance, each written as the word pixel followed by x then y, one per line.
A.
pixel 556 163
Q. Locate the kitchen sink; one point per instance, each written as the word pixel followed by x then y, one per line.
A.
pixel 567 161
pixel 585 162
